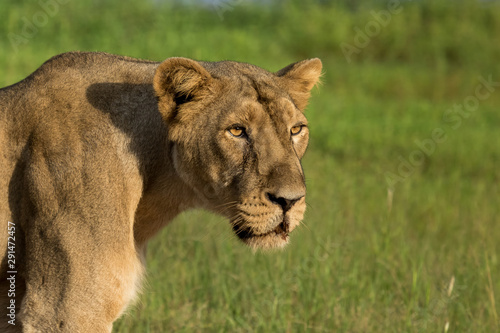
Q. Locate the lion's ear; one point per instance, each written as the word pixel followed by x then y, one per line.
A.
pixel 179 80
pixel 299 78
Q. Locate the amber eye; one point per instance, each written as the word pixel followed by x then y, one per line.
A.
pixel 237 131
pixel 296 129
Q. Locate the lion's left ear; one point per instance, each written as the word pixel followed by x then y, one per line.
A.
pixel 177 81
pixel 299 78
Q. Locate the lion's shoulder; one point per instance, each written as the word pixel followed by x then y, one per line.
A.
pixel 94 66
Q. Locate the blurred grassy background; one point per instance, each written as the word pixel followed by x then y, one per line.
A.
pixel 375 257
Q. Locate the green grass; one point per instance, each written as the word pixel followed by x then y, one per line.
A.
pixel 357 266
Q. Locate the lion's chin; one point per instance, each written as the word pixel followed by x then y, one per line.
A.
pixel 267 241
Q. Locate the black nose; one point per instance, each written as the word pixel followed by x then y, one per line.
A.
pixel 285 203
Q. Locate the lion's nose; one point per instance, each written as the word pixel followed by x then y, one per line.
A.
pixel 285 203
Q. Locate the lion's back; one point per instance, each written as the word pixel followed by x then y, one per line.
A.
pixel 65 132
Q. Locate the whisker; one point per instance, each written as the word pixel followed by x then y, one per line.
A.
pixel 239 223
pixel 210 229
pixel 224 219
pixel 305 225
pixel 226 209
pixel 222 210
pixel 226 204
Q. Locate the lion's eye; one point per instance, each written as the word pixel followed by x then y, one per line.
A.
pixel 237 131
pixel 296 129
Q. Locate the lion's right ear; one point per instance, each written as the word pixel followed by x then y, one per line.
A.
pixel 299 78
pixel 177 81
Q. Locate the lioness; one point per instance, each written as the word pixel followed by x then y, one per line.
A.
pixel 98 152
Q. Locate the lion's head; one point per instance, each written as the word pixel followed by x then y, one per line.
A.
pixel 238 133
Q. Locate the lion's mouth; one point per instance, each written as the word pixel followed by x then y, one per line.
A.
pixel 282 230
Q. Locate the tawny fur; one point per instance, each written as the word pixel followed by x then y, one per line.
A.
pixel 99 152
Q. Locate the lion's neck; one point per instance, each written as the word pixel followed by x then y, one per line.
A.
pixel 164 197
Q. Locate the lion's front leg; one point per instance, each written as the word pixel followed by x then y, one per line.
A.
pixel 81 275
